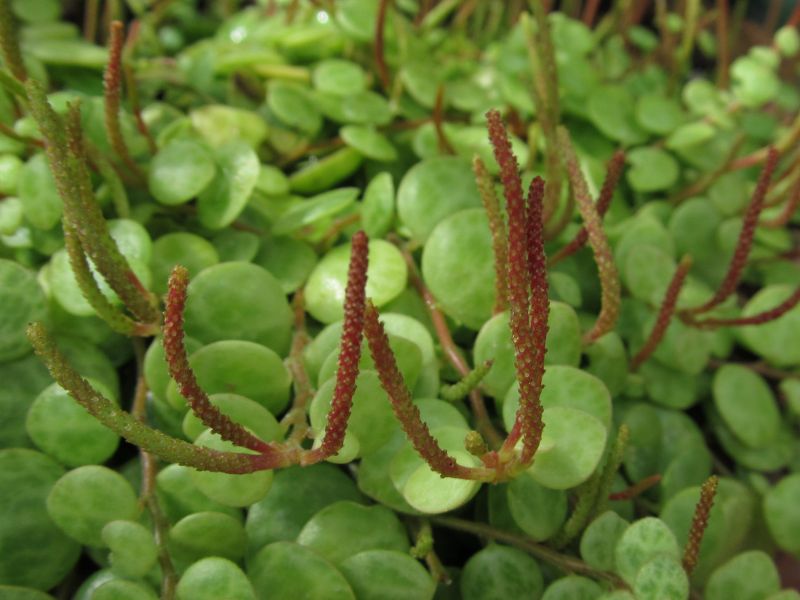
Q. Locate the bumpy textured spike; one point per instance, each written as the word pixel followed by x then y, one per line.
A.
pixel 607 270
pixel 404 409
pixel 498 231
pixel 182 373
pixel 112 85
pixel 756 319
pixel 699 523
pixel 87 219
pixel 613 173
pixel 9 44
pixel 349 351
pixel 126 425
pixel 518 284
pixel 745 242
pixel 118 321
pixel 664 313
pixel 457 391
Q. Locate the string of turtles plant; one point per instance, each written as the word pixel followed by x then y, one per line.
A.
pixel 217 167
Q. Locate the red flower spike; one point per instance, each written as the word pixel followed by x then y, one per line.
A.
pixel 183 375
pixel 613 174
pixel 607 270
pixel 404 409
pixel 349 352
pixel 112 85
pixel 519 280
pixel 664 314
pixel 498 230
pixel 699 523
pixel 745 242
pixel 756 319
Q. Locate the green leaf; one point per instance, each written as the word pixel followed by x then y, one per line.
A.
pixel 226 196
pixel 746 404
pixel 782 513
pixel 180 171
pixel 748 576
pixel 662 578
pixel 658 114
pixel 652 170
pixel 23 301
pixel 501 572
pixel 388 575
pixel 611 110
pixel 600 539
pixel 775 340
pixel 642 541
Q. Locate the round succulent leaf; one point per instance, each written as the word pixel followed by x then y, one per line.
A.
pixel 777 454
pixel 662 578
pixel 241 410
pixel 180 497
pixel 227 489
pixel 64 429
pixel 226 196
pixel 325 290
pixel 232 245
pixel 746 405
pixel 280 517
pixel 293 106
pixel 180 171
pixel 572 587
pixel 41 203
pixel 782 513
pixel 179 248
pixel 608 361
pixel 430 493
pixel 289 570
pixel 156 371
pixel 23 302
pixel 640 542
pixel 652 170
pixel 212 578
pixel 458 267
pixel 754 83
pixel 750 575
pixel 689 135
pixel 538 511
pixel 611 109
pixel 369 142
pixel 371 420
pixel 238 301
pixel 407 460
pixel 599 540
pixel 322 175
pixel 377 206
pixel 85 499
pixel 387 575
pixel 123 589
pixel 411 329
pixel 643 452
pixel 220 125
pixel 133 548
pixel 290 260
pixel 314 210
pixel 367 108
pixel 501 572
pixel 658 114
pixel 23 380
pixel 374 478
pixel 206 533
pixel 565 386
pixel 243 368
pixel 668 387
pixel 344 529
pixel 776 340
pixel 38 553
pixel 573 442
pixel 338 76
pixel 434 189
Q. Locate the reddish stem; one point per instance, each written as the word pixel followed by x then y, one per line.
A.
pixel 182 373
pixel 788 209
pixel 637 489
pixel 441 137
pixel 404 408
pixel 349 352
pixel 745 242
pixel 380 60
pixel 664 314
pixel 723 43
pixel 757 319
